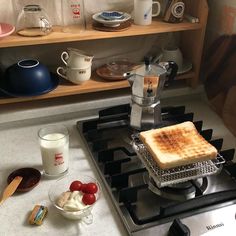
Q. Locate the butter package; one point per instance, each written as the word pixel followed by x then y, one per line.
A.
pixel 37 215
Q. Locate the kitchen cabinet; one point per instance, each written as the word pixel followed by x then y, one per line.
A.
pixel 191 44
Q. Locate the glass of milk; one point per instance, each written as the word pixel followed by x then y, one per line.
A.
pixel 54 146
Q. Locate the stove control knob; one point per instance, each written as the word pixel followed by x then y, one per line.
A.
pixel 178 229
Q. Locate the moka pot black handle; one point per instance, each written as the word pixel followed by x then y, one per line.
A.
pixel 172 69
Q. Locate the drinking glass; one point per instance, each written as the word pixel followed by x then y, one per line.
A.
pixel 73 17
pixel 54 146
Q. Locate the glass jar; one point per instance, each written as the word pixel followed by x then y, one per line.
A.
pixel 33 21
pixel 73 16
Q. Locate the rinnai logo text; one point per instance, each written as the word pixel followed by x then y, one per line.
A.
pixel 210 227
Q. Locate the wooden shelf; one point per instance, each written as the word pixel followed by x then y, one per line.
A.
pixel 57 36
pixel 66 88
pixel 95 84
pixel 191 45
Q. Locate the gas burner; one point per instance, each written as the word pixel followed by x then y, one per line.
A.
pixel 143 207
pixel 178 192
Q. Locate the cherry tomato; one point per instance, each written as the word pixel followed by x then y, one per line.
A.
pixel 88 198
pixel 76 186
pixel 91 188
pixel 83 188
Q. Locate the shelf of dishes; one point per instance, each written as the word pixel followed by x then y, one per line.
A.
pixel 58 36
pixel 95 84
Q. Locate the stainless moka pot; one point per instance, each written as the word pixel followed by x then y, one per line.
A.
pixel 147 82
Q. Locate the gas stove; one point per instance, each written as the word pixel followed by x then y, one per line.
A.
pixel 196 206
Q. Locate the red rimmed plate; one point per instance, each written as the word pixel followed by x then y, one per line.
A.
pixel 6 29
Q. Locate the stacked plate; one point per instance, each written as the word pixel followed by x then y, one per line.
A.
pixel 6 29
pixel 111 18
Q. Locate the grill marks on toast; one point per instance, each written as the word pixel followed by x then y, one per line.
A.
pixel 178 141
pixel 171 142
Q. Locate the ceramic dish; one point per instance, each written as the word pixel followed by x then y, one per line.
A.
pixel 186 66
pixel 106 74
pixel 114 69
pixel 6 89
pixel 120 65
pixel 110 23
pixel 112 15
pixel 123 26
pixel 31 178
pixel 6 29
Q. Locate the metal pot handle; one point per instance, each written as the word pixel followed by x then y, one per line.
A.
pixel 172 69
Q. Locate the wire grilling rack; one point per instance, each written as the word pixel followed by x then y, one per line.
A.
pixel 178 174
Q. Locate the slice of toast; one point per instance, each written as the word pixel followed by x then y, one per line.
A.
pixel 177 145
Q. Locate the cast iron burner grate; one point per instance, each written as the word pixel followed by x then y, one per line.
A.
pixel 108 139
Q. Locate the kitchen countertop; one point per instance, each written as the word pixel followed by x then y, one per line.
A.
pixel 19 148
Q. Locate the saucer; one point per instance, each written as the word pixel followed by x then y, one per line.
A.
pixel 186 66
pixel 101 27
pixel 7 29
pixel 31 178
pixel 7 90
pixel 111 23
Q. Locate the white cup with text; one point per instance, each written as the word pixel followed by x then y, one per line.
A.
pixel 75 58
pixel 75 75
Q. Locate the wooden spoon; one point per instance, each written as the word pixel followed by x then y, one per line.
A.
pixel 11 188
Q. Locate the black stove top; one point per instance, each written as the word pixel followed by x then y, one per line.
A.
pixel 140 203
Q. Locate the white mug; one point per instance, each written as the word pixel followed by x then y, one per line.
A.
pixel 75 58
pixel 75 75
pixel 143 11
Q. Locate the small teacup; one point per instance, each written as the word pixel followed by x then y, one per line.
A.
pixel 75 58
pixel 75 75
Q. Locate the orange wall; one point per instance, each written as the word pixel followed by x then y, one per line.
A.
pixel 221 20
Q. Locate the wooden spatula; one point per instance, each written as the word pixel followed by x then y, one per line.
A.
pixel 11 188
